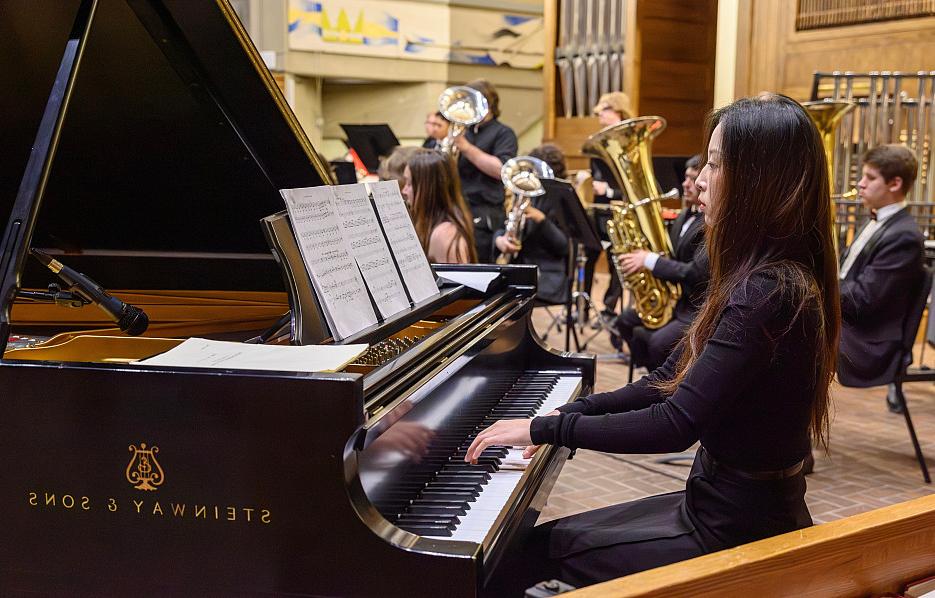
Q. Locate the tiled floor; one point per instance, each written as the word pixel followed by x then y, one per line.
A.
pixel 871 464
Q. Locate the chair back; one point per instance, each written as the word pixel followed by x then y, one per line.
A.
pixel 914 315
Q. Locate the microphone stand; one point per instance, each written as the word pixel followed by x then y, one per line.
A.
pixel 55 295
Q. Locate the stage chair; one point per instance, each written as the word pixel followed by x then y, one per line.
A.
pixel 906 374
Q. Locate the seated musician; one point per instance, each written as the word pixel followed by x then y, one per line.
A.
pixel 878 271
pixel 751 381
pixel 611 109
pixel 439 214
pixel 543 242
pixel 483 148
pixel 688 266
pixel 436 129
pixel 393 166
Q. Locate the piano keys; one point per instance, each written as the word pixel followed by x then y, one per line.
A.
pixel 121 479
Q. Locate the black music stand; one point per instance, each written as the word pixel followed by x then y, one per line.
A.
pixel 582 234
pixel 371 142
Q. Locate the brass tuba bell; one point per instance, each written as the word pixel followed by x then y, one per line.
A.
pixel 637 224
pixel 461 106
pixel 827 116
pixel 522 176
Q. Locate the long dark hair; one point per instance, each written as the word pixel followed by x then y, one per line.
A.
pixel 772 214
pixel 436 198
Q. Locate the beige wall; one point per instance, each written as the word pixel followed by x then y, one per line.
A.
pixel 771 55
pixel 327 89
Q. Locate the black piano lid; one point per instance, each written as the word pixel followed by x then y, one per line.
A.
pixel 176 138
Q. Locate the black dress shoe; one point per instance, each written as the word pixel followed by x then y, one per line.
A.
pixel 892 403
pixel 616 340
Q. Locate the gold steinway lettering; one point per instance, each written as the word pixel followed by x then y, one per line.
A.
pixel 33 499
pixel 178 509
pixel 200 511
pixel 157 509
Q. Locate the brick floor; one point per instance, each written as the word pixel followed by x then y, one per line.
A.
pixel 871 463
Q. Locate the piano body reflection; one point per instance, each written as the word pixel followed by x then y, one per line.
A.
pixel 148 142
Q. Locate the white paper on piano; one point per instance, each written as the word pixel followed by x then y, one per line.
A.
pixel 204 353
pixel 329 260
pixel 477 280
pixel 370 249
pixel 414 266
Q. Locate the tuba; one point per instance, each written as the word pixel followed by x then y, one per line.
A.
pixel 637 224
pixel 827 116
pixel 522 177
pixel 462 107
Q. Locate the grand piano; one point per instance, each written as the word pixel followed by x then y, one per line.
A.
pixel 144 143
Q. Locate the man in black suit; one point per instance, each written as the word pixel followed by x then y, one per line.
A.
pixel 880 271
pixel 688 267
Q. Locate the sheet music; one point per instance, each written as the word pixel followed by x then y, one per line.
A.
pixel 204 353
pixel 414 266
pixel 370 249
pixel 477 280
pixel 329 259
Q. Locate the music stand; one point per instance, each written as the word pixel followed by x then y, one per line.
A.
pixel 344 171
pixel 581 233
pixel 371 142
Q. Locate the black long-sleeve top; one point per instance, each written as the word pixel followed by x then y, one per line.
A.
pixel 747 397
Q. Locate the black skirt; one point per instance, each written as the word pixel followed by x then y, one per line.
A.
pixel 716 510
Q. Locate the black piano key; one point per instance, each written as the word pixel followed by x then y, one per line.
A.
pixel 464 503
pixel 436 510
pixel 427 530
pixel 452 495
pixel 406 519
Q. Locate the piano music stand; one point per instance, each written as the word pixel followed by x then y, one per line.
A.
pixel 371 142
pixel 582 235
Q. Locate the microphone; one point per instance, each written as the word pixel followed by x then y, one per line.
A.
pixel 129 318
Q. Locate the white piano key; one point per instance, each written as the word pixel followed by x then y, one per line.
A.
pixel 476 523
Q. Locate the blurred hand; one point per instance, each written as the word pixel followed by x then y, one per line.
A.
pixel 534 214
pixel 600 188
pixel 461 142
pixel 505 245
pixel 632 262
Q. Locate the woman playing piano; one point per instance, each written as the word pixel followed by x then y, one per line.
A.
pixel 439 213
pixel 749 381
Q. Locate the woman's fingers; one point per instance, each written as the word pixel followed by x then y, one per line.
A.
pixel 486 438
pixel 529 451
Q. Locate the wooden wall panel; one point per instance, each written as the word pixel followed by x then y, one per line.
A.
pixel 677 69
pixel 783 59
pixel 669 73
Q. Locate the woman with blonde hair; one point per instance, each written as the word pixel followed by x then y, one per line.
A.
pixel 439 213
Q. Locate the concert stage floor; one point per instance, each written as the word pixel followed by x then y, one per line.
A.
pixel 871 464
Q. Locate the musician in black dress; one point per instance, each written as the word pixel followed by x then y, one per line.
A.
pixel 611 109
pixel 750 381
pixel 544 243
